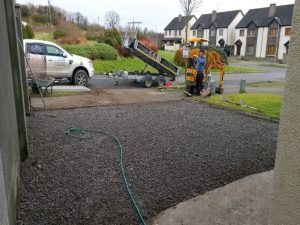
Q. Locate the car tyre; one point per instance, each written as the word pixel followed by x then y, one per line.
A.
pixel 80 78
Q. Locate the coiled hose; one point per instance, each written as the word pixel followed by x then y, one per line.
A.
pixel 80 133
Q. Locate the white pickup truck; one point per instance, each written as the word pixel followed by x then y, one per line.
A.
pixel 49 59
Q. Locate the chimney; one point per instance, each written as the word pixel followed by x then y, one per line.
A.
pixel 214 16
pixel 272 10
pixel 179 18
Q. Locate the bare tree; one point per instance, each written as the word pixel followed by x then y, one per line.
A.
pixel 189 7
pixel 112 19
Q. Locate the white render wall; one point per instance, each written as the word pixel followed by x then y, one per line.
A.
pixel 224 36
pixel 205 35
pixel 262 39
pixel 283 39
pixel 243 39
pixel 231 29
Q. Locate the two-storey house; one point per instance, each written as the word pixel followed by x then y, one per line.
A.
pixel 175 32
pixel 218 27
pixel 265 32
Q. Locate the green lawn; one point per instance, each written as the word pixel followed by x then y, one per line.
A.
pixel 132 64
pixel 281 66
pixel 168 55
pixel 128 64
pixel 43 36
pixel 233 60
pixel 267 84
pixel 252 58
pixel 268 104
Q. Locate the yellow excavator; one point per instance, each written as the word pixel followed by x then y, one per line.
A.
pixel 214 60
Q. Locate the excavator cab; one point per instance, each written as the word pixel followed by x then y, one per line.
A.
pixel 213 61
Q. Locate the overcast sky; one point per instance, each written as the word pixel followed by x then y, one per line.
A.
pixel 151 13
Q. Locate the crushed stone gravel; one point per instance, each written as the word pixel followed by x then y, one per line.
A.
pixel 173 151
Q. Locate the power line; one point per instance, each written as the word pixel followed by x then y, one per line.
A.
pixel 134 23
pixel 50 14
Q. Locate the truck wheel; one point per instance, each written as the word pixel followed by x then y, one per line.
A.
pixel 148 82
pixel 80 78
pixel 161 81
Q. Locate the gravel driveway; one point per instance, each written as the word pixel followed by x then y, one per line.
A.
pixel 173 151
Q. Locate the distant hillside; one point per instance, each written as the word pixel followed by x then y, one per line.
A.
pixel 39 16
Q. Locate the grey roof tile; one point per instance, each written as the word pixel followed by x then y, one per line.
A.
pixel 223 20
pixel 177 24
pixel 261 17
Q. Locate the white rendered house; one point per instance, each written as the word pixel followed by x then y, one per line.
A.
pixel 265 32
pixel 218 27
pixel 175 32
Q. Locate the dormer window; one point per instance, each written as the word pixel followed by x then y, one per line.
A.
pixel 212 33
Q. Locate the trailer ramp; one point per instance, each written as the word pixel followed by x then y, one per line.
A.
pixel 163 66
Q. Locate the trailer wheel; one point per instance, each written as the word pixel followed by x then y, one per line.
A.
pixel 161 81
pixel 148 82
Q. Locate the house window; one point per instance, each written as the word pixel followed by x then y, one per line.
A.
pixel 273 31
pixel 221 32
pixel 166 33
pixel 169 32
pixel 250 50
pixel 242 33
pixel 271 50
pixel 252 32
pixel 170 43
pixel 179 31
pixel 288 31
pixel 212 33
pixel 194 33
pixel 175 33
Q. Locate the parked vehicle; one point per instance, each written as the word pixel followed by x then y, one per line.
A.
pixel 47 58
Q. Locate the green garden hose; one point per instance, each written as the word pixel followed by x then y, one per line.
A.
pixel 82 134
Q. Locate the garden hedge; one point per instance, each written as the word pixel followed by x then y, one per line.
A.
pixel 93 51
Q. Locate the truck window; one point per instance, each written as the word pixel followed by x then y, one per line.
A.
pixel 54 51
pixel 36 48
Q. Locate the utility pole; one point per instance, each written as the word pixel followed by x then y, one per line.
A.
pixel 49 6
pixel 156 38
pixel 133 26
pixel 134 23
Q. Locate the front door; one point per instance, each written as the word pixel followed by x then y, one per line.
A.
pixel 238 50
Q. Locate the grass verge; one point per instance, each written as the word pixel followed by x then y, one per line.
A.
pixel 267 84
pixel 275 65
pixel 56 94
pixel 268 104
pixel 241 69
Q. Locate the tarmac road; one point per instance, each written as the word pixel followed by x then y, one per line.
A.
pixel 272 74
